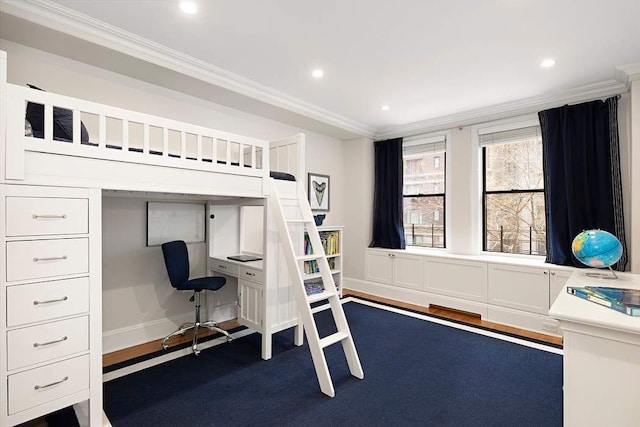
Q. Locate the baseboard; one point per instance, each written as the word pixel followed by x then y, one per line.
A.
pixel 118 339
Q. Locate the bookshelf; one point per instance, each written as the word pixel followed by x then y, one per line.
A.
pixel 332 238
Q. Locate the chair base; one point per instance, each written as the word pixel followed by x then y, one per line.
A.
pixel 210 324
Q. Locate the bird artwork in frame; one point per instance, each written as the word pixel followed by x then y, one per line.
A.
pixel 318 192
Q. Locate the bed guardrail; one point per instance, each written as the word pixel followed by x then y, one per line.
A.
pixel 74 127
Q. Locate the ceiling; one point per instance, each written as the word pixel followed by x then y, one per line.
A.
pixel 426 59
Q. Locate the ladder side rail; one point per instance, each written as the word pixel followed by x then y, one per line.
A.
pixel 340 319
pixel 313 338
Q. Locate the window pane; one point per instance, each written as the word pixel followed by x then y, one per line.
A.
pixel 424 221
pixel 424 173
pixel 514 166
pixel 515 223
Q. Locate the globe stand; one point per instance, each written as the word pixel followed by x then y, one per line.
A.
pixel 603 275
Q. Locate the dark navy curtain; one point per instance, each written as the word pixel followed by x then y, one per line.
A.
pixel 582 183
pixel 388 230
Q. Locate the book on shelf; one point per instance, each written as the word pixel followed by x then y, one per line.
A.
pixel 625 301
pixel 312 288
pixel 330 242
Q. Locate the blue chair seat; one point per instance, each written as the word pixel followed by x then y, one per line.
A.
pixel 202 283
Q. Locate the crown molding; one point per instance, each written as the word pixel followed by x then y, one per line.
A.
pixel 628 73
pixel 495 112
pixel 59 18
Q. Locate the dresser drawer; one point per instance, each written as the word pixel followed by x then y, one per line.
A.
pixel 37 216
pixel 36 344
pixel 251 274
pixel 46 300
pixel 225 267
pixel 37 386
pixel 33 259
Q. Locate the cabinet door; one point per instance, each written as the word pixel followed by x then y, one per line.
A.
pixel 522 288
pixel 557 280
pixel 407 271
pixel 250 304
pixel 456 278
pixel 379 267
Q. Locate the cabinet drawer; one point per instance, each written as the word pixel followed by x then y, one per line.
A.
pixel 225 267
pixel 251 274
pixel 34 259
pixel 31 216
pixel 46 300
pixel 37 386
pixel 36 344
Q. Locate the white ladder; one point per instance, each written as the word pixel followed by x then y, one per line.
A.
pixel 295 263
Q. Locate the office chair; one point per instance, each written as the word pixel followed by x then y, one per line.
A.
pixel 176 259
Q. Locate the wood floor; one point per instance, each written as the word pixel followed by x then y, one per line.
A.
pixel 470 318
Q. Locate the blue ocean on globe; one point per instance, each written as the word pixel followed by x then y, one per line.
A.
pixel 597 248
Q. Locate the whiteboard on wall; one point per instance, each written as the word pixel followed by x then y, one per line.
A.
pixel 168 221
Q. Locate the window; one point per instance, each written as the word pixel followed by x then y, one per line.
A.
pixel 513 191
pixel 423 192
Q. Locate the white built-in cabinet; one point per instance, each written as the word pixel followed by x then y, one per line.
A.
pixel 499 290
pixel 50 294
pixel 394 268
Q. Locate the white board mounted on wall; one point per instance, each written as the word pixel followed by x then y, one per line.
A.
pixel 168 221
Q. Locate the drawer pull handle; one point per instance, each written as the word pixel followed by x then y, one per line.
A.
pixel 34 216
pixel 42 344
pixel 38 387
pixel 35 259
pixel 223 266
pixel 249 274
pixel 51 300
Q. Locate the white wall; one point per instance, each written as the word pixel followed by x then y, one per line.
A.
pixel 136 289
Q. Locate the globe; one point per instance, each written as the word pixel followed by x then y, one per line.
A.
pixel 597 248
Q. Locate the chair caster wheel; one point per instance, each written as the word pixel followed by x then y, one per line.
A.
pixel 195 351
pixel 229 339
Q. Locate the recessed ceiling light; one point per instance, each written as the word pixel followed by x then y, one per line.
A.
pixel 384 107
pixel 189 7
pixel 317 73
pixel 548 63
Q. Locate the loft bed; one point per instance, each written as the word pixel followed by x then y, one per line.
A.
pixel 74 142
pixel 68 155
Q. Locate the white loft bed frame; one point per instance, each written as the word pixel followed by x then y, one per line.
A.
pixel 236 166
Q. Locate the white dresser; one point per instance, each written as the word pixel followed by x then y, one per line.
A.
pixel 601 357
pixel 50 337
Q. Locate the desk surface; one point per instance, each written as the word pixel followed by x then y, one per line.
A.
pixel 256 265
pixel 575 309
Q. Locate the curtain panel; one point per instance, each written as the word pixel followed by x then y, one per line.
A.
pixel 388 229
pixel 582 182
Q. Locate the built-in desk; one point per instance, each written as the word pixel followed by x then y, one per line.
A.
pixel 254 310
pixel 601 357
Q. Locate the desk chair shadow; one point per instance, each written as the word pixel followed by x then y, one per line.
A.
pixel 176 259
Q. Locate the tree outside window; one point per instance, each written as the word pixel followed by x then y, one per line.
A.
pixel 513 192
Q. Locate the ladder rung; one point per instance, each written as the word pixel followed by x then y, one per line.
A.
pixel 298 221
pixel 333 338
pixel 320 296
pixel 309 257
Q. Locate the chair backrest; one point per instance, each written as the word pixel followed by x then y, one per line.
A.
pixel 176 259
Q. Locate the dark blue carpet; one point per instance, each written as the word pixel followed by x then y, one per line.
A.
pixel 416 373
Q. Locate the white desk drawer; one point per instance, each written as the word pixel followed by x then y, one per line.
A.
pixel 36 216
pixel 225 267
pixel 34 259
pixel 36 344
pixel 37 386
pixel 46 300
pixel 251 274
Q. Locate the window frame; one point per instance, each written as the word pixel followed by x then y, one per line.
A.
pixel 432 141
pixel 485 192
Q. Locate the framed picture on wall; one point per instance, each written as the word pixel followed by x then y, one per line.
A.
pixel 318 192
